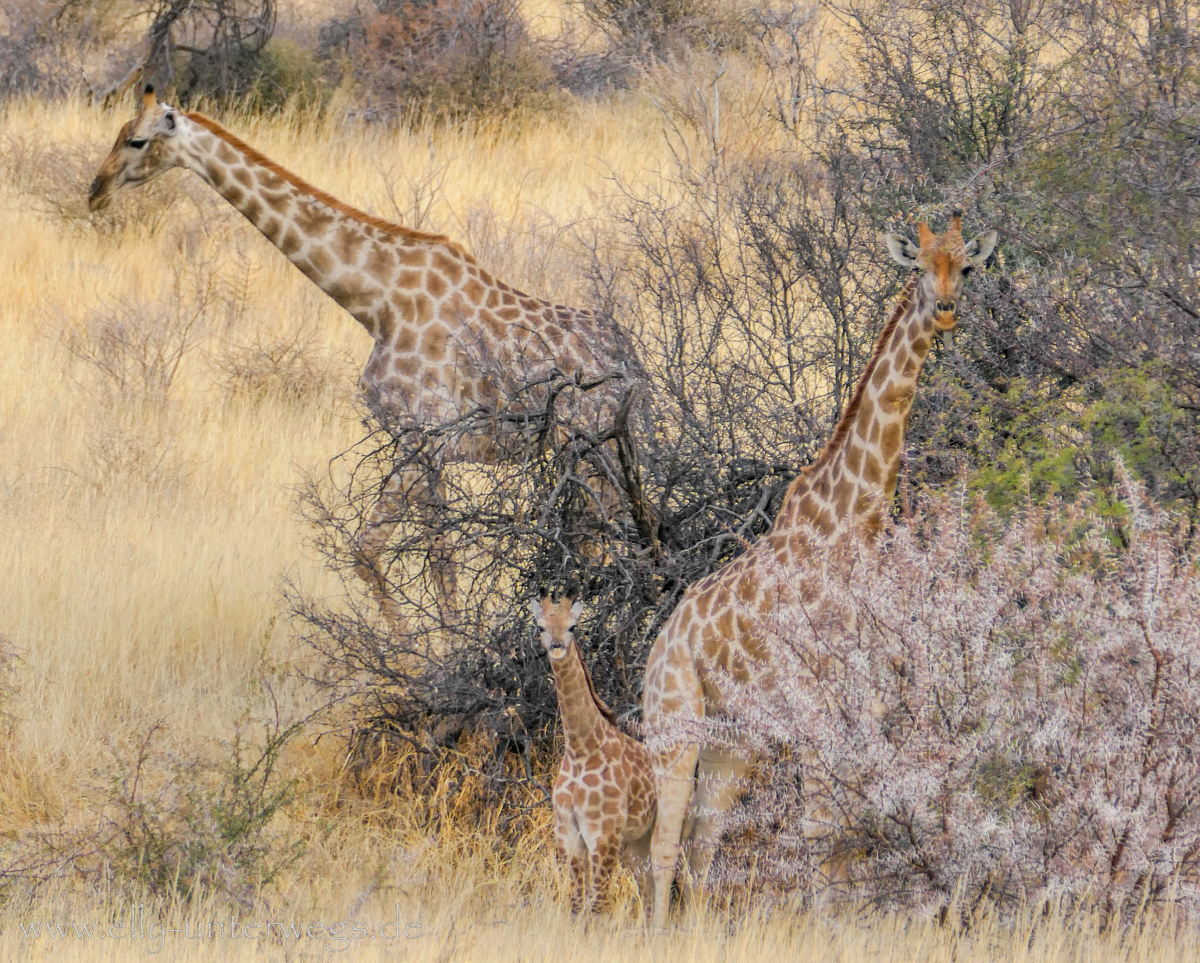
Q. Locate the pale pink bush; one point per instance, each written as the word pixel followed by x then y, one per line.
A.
pixel 984 710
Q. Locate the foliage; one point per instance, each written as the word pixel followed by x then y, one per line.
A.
pixel 182 827
pixel 656 26
pixel 564 508
pixel 983 711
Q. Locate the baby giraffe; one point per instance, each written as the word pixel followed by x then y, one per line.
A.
pixel 604 797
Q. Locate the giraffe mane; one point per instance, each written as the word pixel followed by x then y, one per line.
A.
pixel 587 674
pixel 388 227
pixel 846 422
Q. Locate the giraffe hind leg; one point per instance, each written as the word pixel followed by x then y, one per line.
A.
pixel 719 782
pixel 604 856
pixel 573 850
pixel 636 857
pixel 675 783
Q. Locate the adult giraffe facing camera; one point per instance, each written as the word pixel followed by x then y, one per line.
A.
pixel 717 632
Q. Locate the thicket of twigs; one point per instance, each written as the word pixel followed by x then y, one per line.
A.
pixel 981 709
pixel 1027 731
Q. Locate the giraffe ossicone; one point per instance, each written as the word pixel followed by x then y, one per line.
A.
pixel 604 793
pixel 448 335
pixel 718 631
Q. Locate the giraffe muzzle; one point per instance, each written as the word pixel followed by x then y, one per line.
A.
pixel 98 194
pixel 945 315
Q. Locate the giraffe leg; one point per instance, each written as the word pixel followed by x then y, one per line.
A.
pixel 425 491
pixel 675 782
pixel 376 530
pixel 637 858
pixel 573 850
pixel 604 856
pixel 441 559
pixel 718 784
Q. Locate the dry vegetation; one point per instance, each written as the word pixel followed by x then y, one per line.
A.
pixel 169 386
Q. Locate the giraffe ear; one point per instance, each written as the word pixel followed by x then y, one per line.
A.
pixel 536 608
pixel 980 249
pixel 902 250
pixel 576 610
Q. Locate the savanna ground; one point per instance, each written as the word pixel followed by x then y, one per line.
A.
pixel 168 385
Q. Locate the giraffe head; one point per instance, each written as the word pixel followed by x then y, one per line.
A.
pixel 557 620
pixel 145 148
pixel 946 260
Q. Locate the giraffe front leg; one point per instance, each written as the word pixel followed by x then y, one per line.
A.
pixel 430 492
pixel 675 782
pixel 604 855
pixel 573 851
pixel 381 521
pixel 422 493
pixel 579 880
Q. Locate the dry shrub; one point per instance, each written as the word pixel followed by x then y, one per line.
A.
pixel 282 369
pixel 984 710
pixel 440 58
pixel 10 658
pixel 137 348
pixel 130 354
pixel 564 510
pixel 49 48
pixel 455 784
pixel 658 27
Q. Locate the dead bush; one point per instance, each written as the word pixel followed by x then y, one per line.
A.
pixel 655 28
pixel 136 349
pixel 48 48
pixel 199 49
pixel 129 356
pixel 286 368
pixel 414 59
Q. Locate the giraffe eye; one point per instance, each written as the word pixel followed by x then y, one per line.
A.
pixel 137 143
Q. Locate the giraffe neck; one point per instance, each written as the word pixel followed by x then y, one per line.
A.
pixel 379 272
pixel 583 721
pixel 854 478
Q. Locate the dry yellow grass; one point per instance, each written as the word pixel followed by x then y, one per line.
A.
pixel 144 532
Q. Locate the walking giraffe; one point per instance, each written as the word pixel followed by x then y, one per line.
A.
pixel 716 632
pixel 448 335
pixel 604 793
